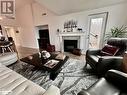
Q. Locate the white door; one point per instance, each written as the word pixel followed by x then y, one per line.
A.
pixel 96 30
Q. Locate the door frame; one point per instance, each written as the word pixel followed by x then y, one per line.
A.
pixel 104 15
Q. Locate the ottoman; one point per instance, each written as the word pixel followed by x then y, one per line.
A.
pixel 8 58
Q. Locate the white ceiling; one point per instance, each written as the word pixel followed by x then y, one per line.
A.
pixel 62 7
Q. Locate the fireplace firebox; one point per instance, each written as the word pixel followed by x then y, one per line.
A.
pixel 69 45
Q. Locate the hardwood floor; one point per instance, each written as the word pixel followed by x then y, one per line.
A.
pixel 25 51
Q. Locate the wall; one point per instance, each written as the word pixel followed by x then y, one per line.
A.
pixel 49 19
pixel 8 22
pixel 25 20
pixel 17 36
pixel 117 17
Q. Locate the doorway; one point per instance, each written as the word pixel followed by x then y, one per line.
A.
pixel 96 30
pixel 43 36
pixel 14 33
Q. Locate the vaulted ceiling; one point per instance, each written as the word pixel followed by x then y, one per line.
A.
pixel 62 7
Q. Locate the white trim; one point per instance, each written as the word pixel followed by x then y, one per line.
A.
pixel 104 15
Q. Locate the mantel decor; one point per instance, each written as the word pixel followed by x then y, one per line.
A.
pixel 70 25
pixel 45 54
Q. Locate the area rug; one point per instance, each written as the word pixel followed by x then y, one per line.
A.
pixel 72 79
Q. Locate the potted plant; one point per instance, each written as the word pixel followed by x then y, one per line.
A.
pixel 117 32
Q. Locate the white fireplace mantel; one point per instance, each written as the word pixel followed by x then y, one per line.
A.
pixel 72 34
pixel 81 36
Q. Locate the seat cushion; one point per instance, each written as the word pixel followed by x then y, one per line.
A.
pixel 17 84
pixel 102 87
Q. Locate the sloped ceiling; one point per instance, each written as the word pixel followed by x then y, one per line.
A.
pixel 62 7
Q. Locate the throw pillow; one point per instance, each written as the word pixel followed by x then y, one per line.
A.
pixel 109 50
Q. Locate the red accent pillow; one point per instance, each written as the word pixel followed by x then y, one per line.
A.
pixel 109 50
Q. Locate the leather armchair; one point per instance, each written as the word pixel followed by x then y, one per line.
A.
pixel 114 83
pixel 101 64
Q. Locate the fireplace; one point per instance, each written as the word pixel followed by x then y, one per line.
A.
pixel 70 40
pixel 69 45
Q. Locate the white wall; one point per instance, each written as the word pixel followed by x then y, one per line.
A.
pixel 117 17
pixel 17 36
pixel 25 20
pixel 8 22
pixel 49 19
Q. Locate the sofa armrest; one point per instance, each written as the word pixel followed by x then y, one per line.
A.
pixel 93 52
pixel 52 90
pixel 108 62
pixel 117 78
pixel 101 87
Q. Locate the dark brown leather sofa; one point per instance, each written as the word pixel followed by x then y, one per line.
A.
pixel 114 83
pixel 101 64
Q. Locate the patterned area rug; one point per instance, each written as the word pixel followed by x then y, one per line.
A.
pixel 72 79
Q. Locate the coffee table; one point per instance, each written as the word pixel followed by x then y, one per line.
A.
pixel 39 62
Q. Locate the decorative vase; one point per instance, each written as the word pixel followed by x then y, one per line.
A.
pixel 45 54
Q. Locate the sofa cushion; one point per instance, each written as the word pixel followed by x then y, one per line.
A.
pixel 17 84
pixel 53 90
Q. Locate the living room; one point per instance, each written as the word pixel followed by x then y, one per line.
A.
pixel 69 25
